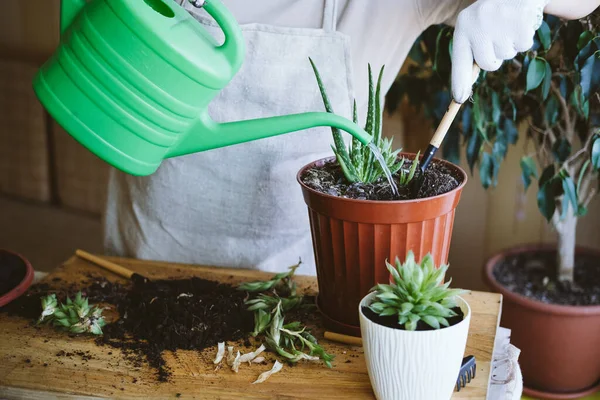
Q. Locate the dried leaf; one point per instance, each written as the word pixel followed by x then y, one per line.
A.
pixel 251 356
pixel 230 356
pixel 220 352
pixel 236 362
pixel 265 375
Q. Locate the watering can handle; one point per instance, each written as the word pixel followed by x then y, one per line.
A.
pixel 68 11
pixel 234 46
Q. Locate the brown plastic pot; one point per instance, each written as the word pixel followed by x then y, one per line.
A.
pixel 560 356
pixel 352 239
pixel 23 285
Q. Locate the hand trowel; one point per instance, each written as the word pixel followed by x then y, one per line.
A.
pixel 438 137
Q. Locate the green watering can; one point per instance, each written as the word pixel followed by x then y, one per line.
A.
pixel 132 80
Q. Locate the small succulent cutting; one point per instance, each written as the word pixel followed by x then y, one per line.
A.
pixel 357 161
pixel 76 316
pixel 417 294
pixel 273 298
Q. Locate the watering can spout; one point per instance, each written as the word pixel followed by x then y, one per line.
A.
pixel 207 134
pixel 68 11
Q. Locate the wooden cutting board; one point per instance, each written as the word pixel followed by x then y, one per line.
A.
pixel 31 369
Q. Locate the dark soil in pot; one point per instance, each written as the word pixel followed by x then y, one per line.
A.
pixel 190 314
pixel 534 275
pixel 12 272
pixel 391 321
pixel 329 179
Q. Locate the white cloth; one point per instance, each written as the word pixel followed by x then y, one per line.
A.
pixel 506 382
pixel 241 206
pixel 489 32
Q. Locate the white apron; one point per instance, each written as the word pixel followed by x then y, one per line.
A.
pixel 241 206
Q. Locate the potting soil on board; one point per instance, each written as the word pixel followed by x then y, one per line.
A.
pixel 12 272
pixel 329 179
pixel 534 275
pixel 189 314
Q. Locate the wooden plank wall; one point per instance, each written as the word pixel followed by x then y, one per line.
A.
pixel 485 222
pixel 29 30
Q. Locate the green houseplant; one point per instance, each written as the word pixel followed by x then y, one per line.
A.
pixel 356 220
pixel 421 318
pixel 551 92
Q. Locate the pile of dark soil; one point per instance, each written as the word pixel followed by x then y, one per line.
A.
pixel 391 321
pixel 190 314
pixel 12 272
pixel 533 275
pixel 155 316
pixel 329 179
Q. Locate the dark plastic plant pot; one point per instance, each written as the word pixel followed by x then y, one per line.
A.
pixel 560 356
pixel 352 239
pixel 25 282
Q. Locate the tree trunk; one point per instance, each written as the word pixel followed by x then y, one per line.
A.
pixel 566 229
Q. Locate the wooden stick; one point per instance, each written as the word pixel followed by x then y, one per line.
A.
pixel 442 129
pixel 110 266
pixel 446 122
pixel 338 337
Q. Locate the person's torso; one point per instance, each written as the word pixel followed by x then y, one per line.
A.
pixel 241 206
pixel 381 32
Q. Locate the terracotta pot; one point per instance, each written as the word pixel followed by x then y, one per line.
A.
pixel 397 359
pixel 352 239
pixel 23 285
pixel 560 356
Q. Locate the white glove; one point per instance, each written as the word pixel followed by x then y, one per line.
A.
pixel 489 32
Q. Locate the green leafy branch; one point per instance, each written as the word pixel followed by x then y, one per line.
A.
pixel 291 341
pixel 553 90
pixel 282 281
pixel 76 316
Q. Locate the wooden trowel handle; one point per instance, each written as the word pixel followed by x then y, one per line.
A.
pixel 442 129
pixel 110 266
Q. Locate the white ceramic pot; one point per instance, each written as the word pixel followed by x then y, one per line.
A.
pixel 413 365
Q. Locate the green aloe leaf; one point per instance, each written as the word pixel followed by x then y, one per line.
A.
pixel 431 321
pixel 340 146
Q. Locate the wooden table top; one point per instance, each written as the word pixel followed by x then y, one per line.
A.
pixel 31 369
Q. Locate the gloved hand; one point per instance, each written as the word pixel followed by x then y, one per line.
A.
pixel 489 32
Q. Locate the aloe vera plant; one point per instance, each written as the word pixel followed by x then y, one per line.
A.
pixel 416 294
pixel 357 161
pixel 76 316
